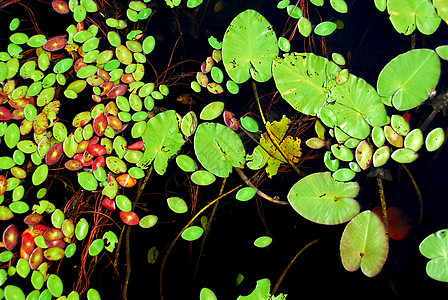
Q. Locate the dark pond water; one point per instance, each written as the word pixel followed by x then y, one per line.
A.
pixel 370 41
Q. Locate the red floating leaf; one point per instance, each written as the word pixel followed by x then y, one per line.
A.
pixel 137 146
pixel 96 150
pixel 100 124
pixel 36 258
pixel 55 43
pixel 5 114
pixel 60 6
pixel 54 154
pixel 129 217
pixel 114 122
pixel 73 165
pixel 100 161
pixel 111 109
pixel 117 90
pixel 106 86
pixel 229 120
pixel 28 243
pixel 56 243
pixel 3 184
pixel 399 223
pixel 10 237
pixel 33 219
pixel 108 203
pixel 125 180
pixel 79 63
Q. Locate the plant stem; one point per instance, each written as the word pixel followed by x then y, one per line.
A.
pixel 417 190
pixel 259 193
pixel 279 281
pixel 209 226
pixel 383 204
pixel 162 267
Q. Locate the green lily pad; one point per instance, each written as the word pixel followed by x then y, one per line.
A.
pixel 55 285
pixel 93 294
pixel 212 111
pixel 177 205
pixel 339 5
pixel 434 140
pixel 148 44
pixel 203 177
pixel 341 152
pixel 207 294
pixel 364 244
pixel 381 156
pixel 442 52
pixel 407 15
pixel 404 155
pixel 249 46
pixel 409 77
pixel 96 247
pixel 344 174
pixel 123 203
pixel 189 123
pixel 87 181
pixel 399 125
pixel 435 247
pixel 37 279
pixel 81 229
pixel 40 174
pixel 321 199
pixel 325 28
pixel 218 148
pixel 162 139
pixel 249 124
pixel 414 140
pixel 186 163
pixel 305 26
pixel 378 136
pixel 13 292
pixel 192 233
pixel 263 241
pixel 246 193
pixel 148 221
pixel 12 135
pixel 363 154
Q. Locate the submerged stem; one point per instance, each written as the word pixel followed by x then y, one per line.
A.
pixel 173 243
pixel 383 204
pixel 280 279
pixel 417 190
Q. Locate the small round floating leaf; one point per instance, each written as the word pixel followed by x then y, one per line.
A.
pixel 214 43
pixel 89 5
pixel 13 292
pixel 232 87
pixel 70 250
pixel 113 38
pixel 87 181
pixel 55 285
pixel 207 294
pixel 434 139
pixel 246 193
pixel 192 233
pixel 338 59
pixel 129 217
pixel 37 41
pixel 217 74
pixel 400 125
pixel 37 280
pixel 96 247
pixel 5 213
pixel 203 177
pixel 55 43
pixel 6 256
pixel 18 38
pixel 381 156
pixel 263 241
pixel 304 26
pixel 339 5
pixel 344 174
pixel 414 140
pixel 378 136
pixel 212 111
pixel 14 24
pixel 193 3
pixel 284 44
pixel 123 203
pixel 54 253
pixel 148 221
pixel 342 152
pixel 363 154
pixel 79 14
pixel 325 28
pixel 404 155
pixel 177 205
pixel 186 163
pixel 93 294
pixel 81 229
pixel 442 52
pixel 148 44
pixel 40 174
pixel 294 11
pixel 321 199
pixel 249 124
pixel 60 6
pixel 12 135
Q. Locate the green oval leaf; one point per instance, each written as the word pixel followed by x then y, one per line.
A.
pixel 177 205
pixel 263 241
pixel 321 199
pixel 192 233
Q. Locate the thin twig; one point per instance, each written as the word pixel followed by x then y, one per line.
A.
pixel 209 226
pixel 417 190
pixel 259 193
pixel 165 258
pixel 280 279
pixel 383 204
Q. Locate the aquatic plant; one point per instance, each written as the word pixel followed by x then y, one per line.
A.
pixel 86 117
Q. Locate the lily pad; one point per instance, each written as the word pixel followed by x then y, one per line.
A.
pixel 246 193
pixel 212 111
pixel 364 244
pixel 435 247
pixel 321 199
pixel 55 285
pixel 177 205
pixel 218 148
pixel 434 140
pixel 263 241
pixel 192 233
pixel 203 177
pixel 409 78
pixel 249 46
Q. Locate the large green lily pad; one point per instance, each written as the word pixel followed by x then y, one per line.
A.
pixel 409 78
pixel 248 48
pixel 303 80
pixel 435 247
pixel 406 15
pixel 218 148
pixel 162 140
pixel 320 198
pixel 364 243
